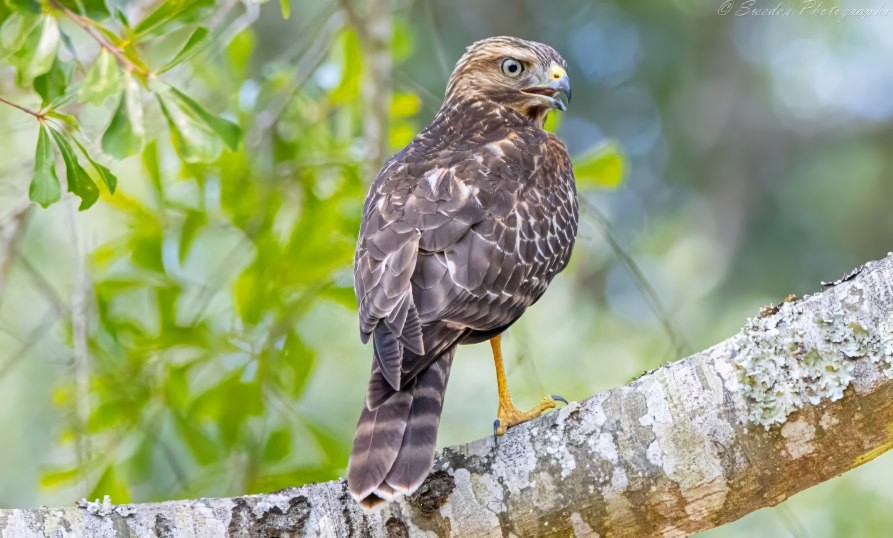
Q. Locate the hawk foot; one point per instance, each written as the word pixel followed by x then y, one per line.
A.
pixel 509 415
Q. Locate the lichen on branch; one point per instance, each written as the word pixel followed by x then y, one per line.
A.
pixel 794 357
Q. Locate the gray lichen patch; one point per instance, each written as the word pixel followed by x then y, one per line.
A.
pixel 105 507
pixel 795 357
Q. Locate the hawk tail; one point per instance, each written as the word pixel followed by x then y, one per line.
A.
pixel 393 449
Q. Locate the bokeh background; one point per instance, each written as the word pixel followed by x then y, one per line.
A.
pixel 195 333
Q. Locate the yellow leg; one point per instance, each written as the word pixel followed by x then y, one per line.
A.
pixel 508 415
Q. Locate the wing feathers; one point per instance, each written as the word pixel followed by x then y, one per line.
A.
pixel 388 355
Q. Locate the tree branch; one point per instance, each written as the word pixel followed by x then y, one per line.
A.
pixel 374 31
pixel 38 115
pixel 103 41
pixel 803 393
pixel 12 228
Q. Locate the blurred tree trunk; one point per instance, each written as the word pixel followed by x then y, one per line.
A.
pixel 802 394
pixel 373 26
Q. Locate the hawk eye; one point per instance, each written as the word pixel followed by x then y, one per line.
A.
pixel 512 68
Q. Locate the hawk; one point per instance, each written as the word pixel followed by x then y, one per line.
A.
pixel 462 231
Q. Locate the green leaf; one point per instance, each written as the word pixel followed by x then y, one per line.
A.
pixel 402 42
pixel 225 129
pixel 37 54
pixel 45 188
pixel 278 446
pixel 351 68
pixel 52 84
pixel 196 134
pixel 67 119
pixel 229 404
pixel 146 249
pixel 15 30
pixel 297 364
pixel 190 49
pixel 176 388
pixel 202 446
pixel 150 161
pixel 172 11
pixel 193 223
pixel 250 298
pixel 124 135
pixel 68 44
pixel 107 415
pixel 79 181
pixel 192 138
pixel 405 104
pixel 102 80
pixel 285 7
pixel 109 484
pixel 134 97
pixel 139 464
pixel 600 167
pixel 24 6
pixel 94 9
pixel 240 53
pixel 107 176
pixel 60 477
pixel 553 121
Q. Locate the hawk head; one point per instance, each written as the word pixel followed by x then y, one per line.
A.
pixel 526 76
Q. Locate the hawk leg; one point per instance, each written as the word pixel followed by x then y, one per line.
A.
pixel 508 415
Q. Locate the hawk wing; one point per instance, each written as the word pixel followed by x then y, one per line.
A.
pixel 459 244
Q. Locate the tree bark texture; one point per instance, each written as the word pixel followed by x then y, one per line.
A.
pixel 802 394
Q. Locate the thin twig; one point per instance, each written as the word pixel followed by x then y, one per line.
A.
pixel 317 55
pixel 354 18
pixel 430 100
pixel 103 41
pixel 33 337
pixel 435 38
pixel 239 25
pixel 44 285
pixel 598 218
pixel 12 228
pixel 81 351
pixel 38 115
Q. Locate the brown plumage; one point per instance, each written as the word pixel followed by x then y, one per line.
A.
pixel 462 230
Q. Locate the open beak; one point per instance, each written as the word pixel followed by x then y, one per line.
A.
pixel 562 87
pixel 557 89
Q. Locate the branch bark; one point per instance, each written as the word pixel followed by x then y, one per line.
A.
pixel 802 394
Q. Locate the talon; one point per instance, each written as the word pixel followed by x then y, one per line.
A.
pixel 508 415
pixel 495 430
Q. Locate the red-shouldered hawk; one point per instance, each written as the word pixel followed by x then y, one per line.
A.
pixel 462 231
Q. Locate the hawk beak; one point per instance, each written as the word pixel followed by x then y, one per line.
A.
pixel 556 90
pixel 561 85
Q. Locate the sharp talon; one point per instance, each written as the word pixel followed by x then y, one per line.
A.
pixel 558 398
pixel 495 429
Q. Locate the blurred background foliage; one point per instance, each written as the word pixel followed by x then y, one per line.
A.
pixel 181 184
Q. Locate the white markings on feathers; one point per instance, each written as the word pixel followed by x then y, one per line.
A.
pixel 433 177
pixel 495 149
pixel 465 190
